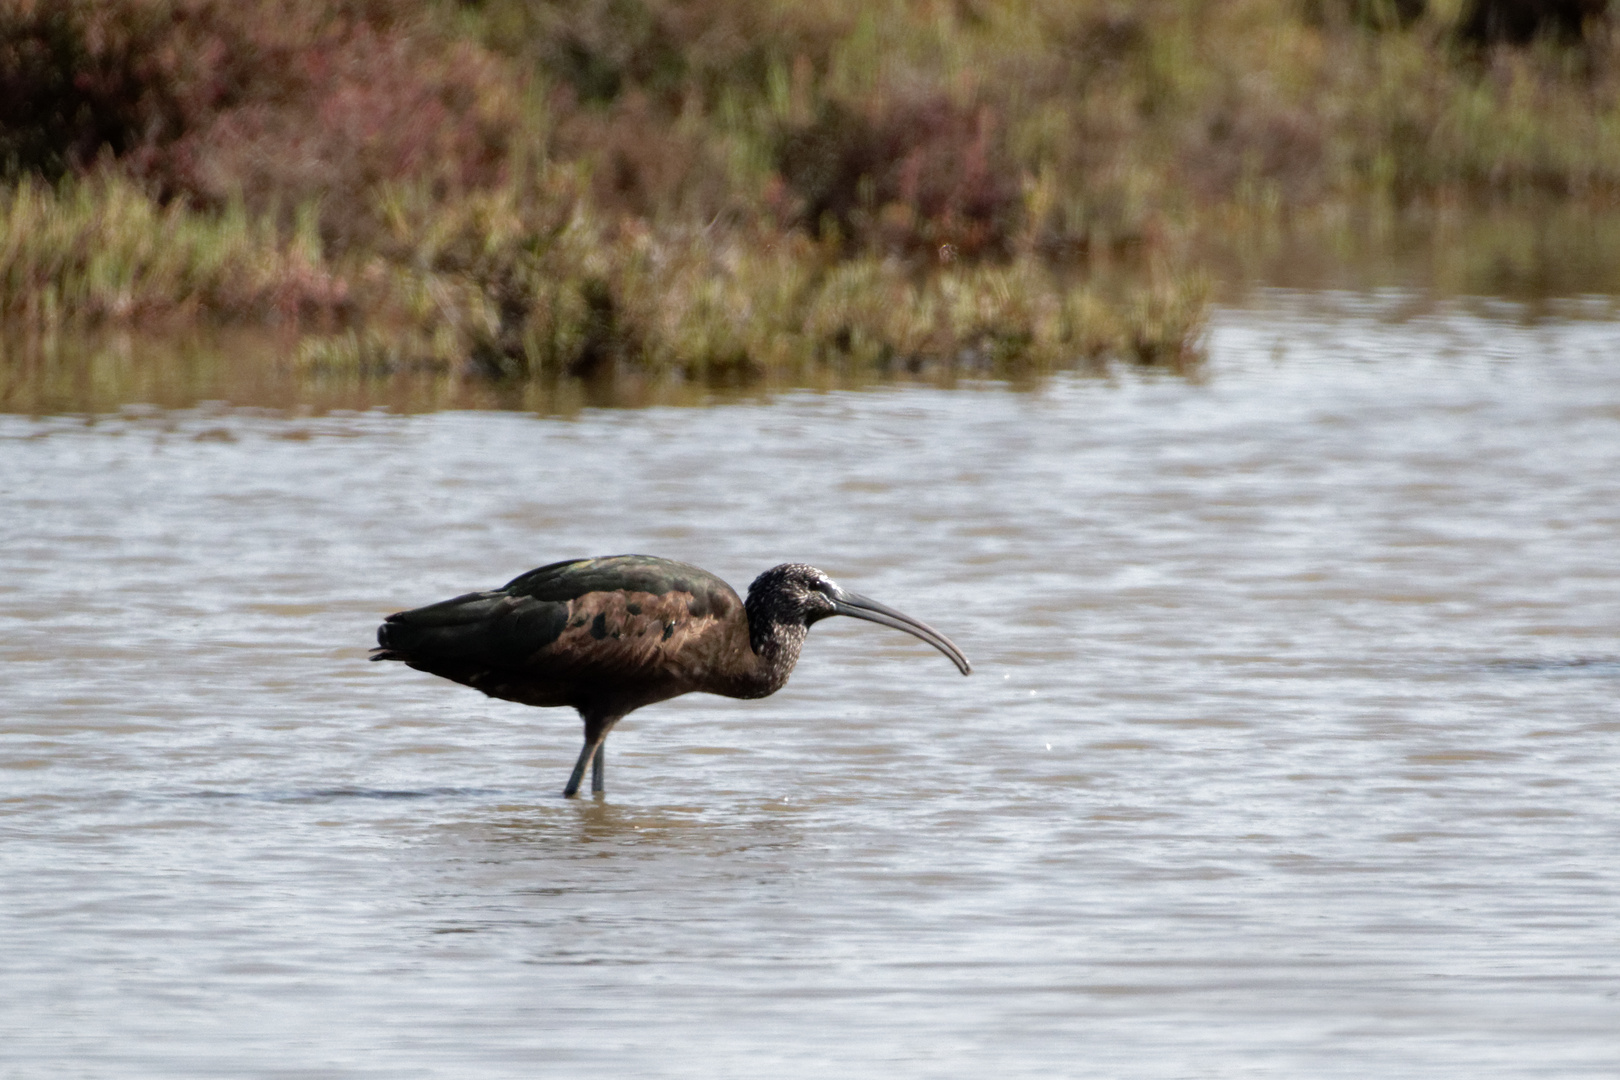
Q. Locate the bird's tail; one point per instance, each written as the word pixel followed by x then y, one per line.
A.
pixel 436 630
pixel 482 628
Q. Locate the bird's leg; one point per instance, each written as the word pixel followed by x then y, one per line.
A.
pixel 599 762
pixel 596 732
pixel 585 756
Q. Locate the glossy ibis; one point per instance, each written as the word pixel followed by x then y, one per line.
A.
pixel 610 635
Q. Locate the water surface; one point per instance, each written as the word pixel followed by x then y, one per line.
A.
pixel 1291 748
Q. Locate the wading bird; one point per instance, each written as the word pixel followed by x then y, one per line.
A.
pixel 607 636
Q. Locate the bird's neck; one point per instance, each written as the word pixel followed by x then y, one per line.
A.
pixel 775 648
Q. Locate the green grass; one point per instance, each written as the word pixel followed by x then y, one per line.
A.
pixel 103 251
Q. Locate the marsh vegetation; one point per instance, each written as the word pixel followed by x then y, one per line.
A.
pixel 734 193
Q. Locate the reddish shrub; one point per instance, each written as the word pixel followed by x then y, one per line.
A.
pixel 1244 142
pixel 365 106
pixel 77 82
pixel 644 163
pixel 921 173
pixel 276 102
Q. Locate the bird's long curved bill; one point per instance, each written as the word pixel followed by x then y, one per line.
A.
pixel 862 607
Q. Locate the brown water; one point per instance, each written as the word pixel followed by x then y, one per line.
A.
pixel 1293 748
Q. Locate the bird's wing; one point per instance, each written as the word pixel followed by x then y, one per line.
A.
pixel 615 573
pixel 631 635
pixel 632 617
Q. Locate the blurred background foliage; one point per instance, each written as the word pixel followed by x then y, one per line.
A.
pixel 737 190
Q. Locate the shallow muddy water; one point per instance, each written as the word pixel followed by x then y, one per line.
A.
pixel 1292 748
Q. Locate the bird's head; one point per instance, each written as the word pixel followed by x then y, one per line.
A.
pixel 793 593
pixel 796 595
